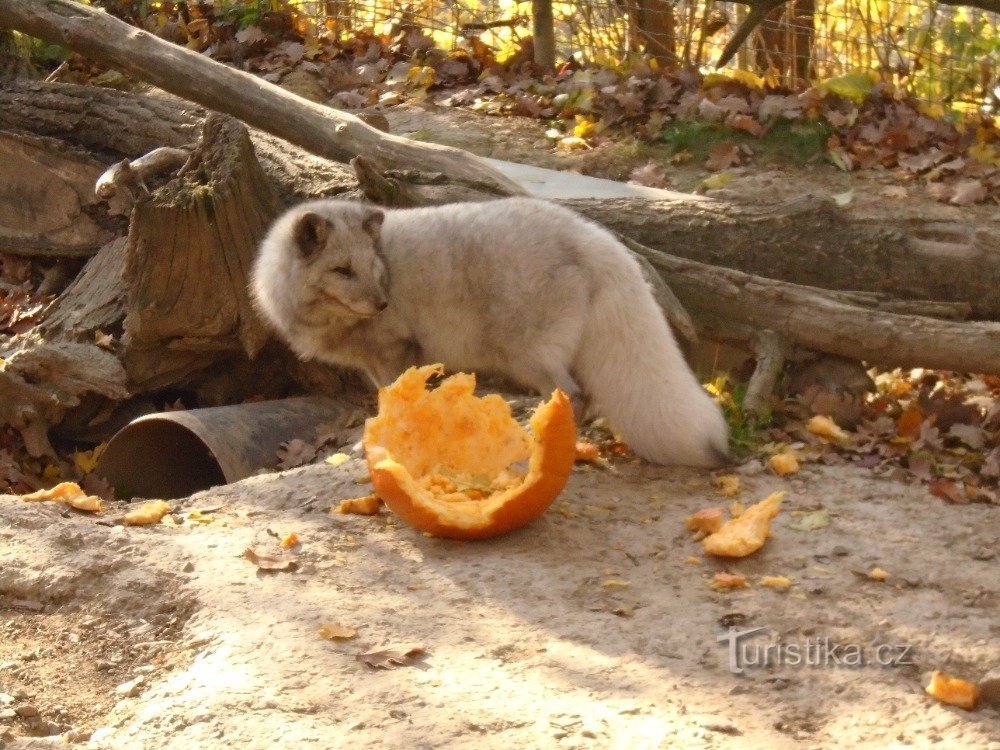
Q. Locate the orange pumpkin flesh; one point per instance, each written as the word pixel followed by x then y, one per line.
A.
pixel 450 464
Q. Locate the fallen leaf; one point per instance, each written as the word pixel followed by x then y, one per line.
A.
pixel 716 181
pixel 722 156
pixel 948 490
pixel 294 453
pixel 332 631
pixel 615 583
pixel 291 540
pixel 268 562
pixel 650 174
pixel 844 199
pixel 908 424
pixel 392 657
pixel 825 427
pixel 968 192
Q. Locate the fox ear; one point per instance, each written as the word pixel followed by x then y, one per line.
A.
pixel 372 222
pixel 310 233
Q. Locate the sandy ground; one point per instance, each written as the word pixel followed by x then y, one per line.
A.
pixel 589 628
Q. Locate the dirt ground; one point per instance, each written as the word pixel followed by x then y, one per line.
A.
pixel 593 627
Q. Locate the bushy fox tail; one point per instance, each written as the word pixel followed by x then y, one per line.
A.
pixel 631 368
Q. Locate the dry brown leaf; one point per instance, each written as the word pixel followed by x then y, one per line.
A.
pixel 948 490
pixel 968 192
pixel 722 156
pixel 269 562
pixel 392 657
pixel 294 453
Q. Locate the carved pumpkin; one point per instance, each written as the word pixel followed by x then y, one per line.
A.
pixel 457 466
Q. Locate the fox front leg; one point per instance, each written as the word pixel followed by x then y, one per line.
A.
pixel 391 361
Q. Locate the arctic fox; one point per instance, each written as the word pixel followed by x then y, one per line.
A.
pixel 517 287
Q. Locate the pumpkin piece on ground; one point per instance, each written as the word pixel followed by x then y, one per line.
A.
pixel 454 465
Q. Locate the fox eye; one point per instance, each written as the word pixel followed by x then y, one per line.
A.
pixel 344 271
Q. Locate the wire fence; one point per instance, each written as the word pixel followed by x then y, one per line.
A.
pixel 940 53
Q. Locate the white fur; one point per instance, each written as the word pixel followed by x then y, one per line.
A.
pixel 519 287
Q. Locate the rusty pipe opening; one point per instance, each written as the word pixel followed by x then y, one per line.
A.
pixel 175 454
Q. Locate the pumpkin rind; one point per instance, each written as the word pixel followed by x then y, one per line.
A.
pixel 551 450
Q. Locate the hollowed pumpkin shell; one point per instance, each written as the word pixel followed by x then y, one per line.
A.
pixel 457 466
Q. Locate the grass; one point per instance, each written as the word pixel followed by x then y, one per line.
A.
pixel 792 141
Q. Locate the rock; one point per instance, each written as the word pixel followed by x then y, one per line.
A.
pixel 305 85
pixel 26 710
pixel 131 688
pixel 6 714
pixel 989 689
pixel 6 699
pixel 101 734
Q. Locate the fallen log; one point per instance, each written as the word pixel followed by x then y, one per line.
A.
pixel 318 129
pixel 811 241
pixel 732 306
pixel 936 268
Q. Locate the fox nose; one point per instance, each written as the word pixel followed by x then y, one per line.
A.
pixel 381 305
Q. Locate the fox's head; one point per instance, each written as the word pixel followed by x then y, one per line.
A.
pixel 339 259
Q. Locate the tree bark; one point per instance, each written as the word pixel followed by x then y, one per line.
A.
pixel 733 306
pixel 543 34
pixel 811 241
pixel 321 130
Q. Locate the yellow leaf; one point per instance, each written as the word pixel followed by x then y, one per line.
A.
pixel 585 127
pixel 421 76
pixel 716 181
pixel 337 459
pixel 853 86
pixel 752 80
pixel 86 461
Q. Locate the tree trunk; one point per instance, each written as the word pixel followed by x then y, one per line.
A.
pixel 190 249
pixel 543 33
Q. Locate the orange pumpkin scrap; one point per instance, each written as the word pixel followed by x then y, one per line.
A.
pixel 953 690
pixel 453 465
